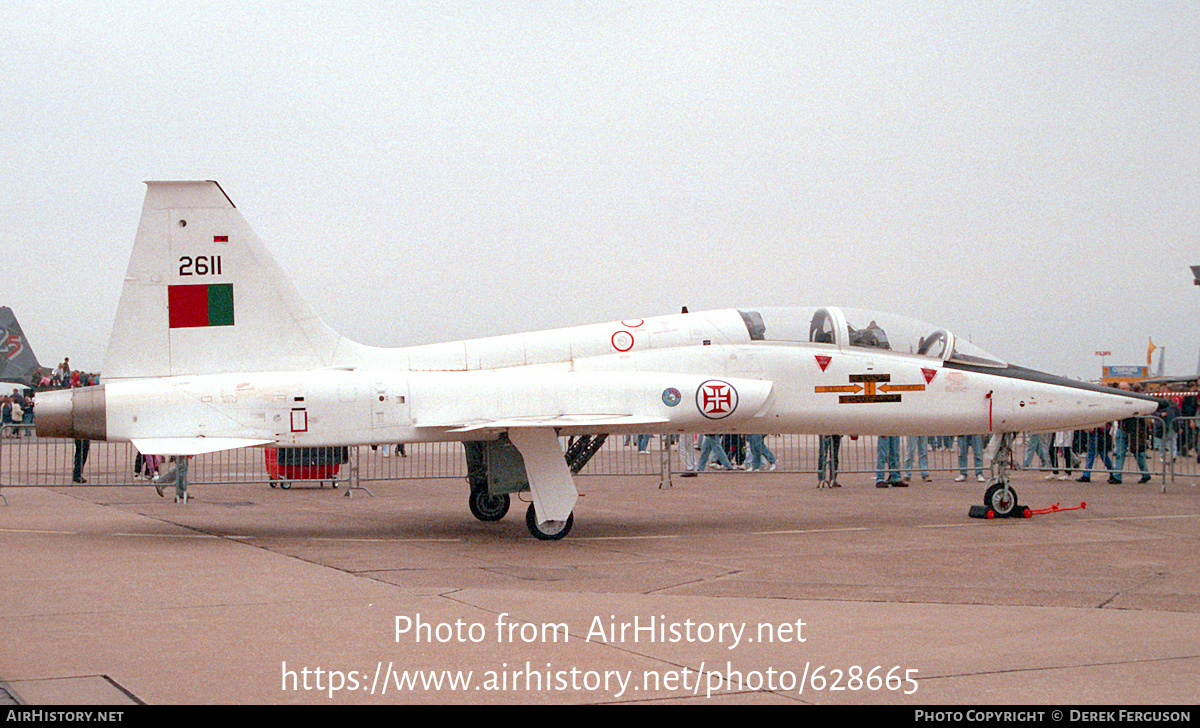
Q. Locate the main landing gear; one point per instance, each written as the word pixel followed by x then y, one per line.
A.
pixel 488 507
pixel 549 530
pixel 498 468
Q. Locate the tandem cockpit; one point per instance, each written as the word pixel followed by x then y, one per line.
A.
pixel 850 327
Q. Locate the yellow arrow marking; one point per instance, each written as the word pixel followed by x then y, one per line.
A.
pixel 840 388
pixel 870 385
pixel 902 388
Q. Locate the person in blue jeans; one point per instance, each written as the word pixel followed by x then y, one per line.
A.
pixel 759 452
pixel 1096 443
pixel 712 444
pixel 889 459
pixel 974 442
pixel 1131 437
pixel 918 449
pixel 1034 446
pixel 827 461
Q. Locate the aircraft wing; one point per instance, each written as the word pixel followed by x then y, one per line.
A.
pixel 556 421
pixel 192 445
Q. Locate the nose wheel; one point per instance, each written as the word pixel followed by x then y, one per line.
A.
pixel 1001 499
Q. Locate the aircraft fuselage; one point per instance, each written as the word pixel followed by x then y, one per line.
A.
pixel 677 386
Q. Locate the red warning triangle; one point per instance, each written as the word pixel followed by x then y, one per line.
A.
pixel 929 374
pixel 823 361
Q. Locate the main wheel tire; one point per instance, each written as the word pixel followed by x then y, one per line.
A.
pixel 551 530
pixel 1000 499
pixel 487 507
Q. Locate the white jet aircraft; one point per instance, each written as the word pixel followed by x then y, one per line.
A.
pixel 213 349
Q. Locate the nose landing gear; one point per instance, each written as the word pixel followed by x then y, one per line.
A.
pixel 1000 499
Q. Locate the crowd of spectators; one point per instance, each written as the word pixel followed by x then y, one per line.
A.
pixel 63 376
pixel 17 406
pixel 16 414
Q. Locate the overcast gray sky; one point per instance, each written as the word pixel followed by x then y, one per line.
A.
pixel 1027 174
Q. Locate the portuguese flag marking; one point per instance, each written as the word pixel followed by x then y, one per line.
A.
pixel 190 306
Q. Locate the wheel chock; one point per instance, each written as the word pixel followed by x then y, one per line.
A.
pixel 1019 511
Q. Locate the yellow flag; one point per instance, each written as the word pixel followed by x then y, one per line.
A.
pixel 1150 350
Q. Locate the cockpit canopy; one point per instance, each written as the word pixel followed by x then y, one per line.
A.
pixel 851 327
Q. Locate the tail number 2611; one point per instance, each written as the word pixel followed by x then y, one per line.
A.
pixel 201 265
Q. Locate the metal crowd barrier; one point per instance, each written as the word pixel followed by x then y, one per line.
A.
pixel 33 461
pixel 447 460
pixel 1184 448
pixel 801 454
pixel 1158 466
pixel 16 429
pixel 50 462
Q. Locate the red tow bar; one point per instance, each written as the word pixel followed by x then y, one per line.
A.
pixel 1056 509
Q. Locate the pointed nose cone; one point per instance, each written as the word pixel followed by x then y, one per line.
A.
pixel 1120 404
pixel 1082 404
pixel 1029 400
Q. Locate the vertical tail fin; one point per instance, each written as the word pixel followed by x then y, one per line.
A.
pixel 203 295
pixel 17 361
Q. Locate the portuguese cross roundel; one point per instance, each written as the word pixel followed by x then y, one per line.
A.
pixel 716 399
